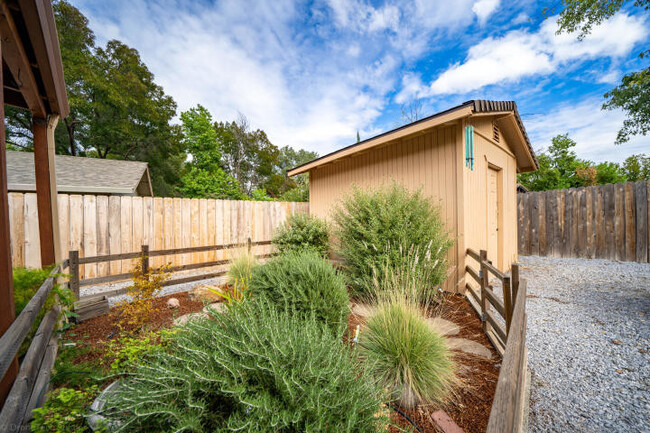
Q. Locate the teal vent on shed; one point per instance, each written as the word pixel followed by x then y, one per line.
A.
pixel 469 147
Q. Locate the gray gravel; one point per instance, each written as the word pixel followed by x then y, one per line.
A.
pixel 588 332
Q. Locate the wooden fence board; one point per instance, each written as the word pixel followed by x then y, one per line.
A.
pixel 102 234
pixel 630 223
pixel 619 221
pixel 17 228
pixel 641 203
pixel 90 233
pixel 108 225
pixel 603 221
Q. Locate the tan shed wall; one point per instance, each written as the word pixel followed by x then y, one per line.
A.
pixel 487 153
pixel 428 161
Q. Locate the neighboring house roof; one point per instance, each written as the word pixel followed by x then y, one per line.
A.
pixel 522 189
pixel 82 175
pixel 526 159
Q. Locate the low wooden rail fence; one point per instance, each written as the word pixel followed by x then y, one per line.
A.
pixel 28 389
pixel 510 399
pixel 144 255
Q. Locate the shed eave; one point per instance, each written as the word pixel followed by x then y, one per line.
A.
pixel 412 128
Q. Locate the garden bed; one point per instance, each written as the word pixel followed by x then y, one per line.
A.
pixel 473 398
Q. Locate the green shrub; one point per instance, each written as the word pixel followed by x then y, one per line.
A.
pixel 240 267
pixel 302 231
pixel 306 283
pixel 64 411
pixel 409 357
pixel 374 227
pixel 26 283
pixel 251 369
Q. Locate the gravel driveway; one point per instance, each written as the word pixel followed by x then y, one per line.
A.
pixel 588 341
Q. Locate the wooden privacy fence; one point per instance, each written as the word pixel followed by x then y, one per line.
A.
pixel 604 221
pixel 97 225
pixel 28 389
pixel 510 398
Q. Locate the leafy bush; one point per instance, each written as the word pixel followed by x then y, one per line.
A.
pixel 306 283
pixel 240 267
pixel 137 309
pixel 252 369
pixel 64 411
pixel 302 231
pixel 123 353
pixel 373 225
pixel 409 357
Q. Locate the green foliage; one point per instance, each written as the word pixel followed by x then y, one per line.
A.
pixel 302 231
pixel 636 167
pixel 304 283
pixel 409 357
pixel 372 225
pixel 560 168
pixel 126 352
pixel 201 183
pixel 200 138
pixel 298 193
pixel 64 411
pixel 240 267
pixel 252 369
pixel 633 94
pixel 26 283
pixel 260 195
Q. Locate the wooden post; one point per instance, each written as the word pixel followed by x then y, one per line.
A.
pixel 7 311
pixel 46 193
pixel 250 245
pixel 74 273
pixel 515 281
pixel 484 286
pixel 145 259
pixel 507 302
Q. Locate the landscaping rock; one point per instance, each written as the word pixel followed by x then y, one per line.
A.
pixel 203 293
pixel 173 303
pixel 469 347
pixel 443 327
pixel 219 307
pixel 187 317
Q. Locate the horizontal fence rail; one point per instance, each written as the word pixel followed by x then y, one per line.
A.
pixel 604 221
pixel 97 225
pixel 144 255
pixel 33 376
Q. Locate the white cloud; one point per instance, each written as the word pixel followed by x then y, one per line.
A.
pixel 521 54
pixel 593 129
pixel 484 8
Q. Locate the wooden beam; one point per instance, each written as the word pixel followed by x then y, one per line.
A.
pixel 44 168
pixel 15 57
pixel 7 310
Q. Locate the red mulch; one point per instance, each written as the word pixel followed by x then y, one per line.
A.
pixel 96 332
pixel 470 408
pixel 471 405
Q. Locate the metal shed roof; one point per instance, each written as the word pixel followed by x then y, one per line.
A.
pixel 82 175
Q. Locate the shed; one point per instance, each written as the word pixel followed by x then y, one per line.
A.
pixel 466 159
pixel 78 175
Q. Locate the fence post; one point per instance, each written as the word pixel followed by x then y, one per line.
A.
pixel 145 259
pixel 484 285
pixel 515 281
pixel 507 302
pixel 74 273
pixel 250 246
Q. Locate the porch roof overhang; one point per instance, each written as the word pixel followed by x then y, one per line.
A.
pixel 31 59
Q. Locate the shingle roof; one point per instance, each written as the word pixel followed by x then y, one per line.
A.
pixel 81 175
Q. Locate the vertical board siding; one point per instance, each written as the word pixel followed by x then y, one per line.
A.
pixel 603 221
pixel 103 225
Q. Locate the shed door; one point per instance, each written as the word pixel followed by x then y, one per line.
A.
pixel 493 201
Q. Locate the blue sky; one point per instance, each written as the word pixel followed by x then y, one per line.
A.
pixel 312 73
